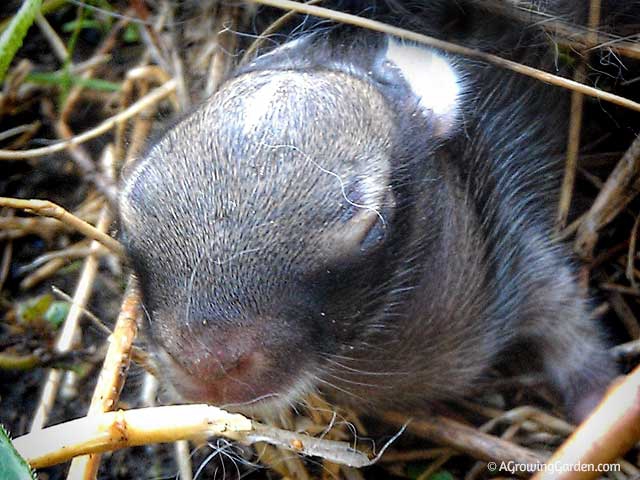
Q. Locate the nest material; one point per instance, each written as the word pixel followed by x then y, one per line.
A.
pixel 99 83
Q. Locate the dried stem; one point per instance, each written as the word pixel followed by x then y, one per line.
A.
pixel 145 102
pixel 112 376
pixel 620 188
pixel 444 431
pixel 49 209
pixel 68 333
pixel 611 430
pixel 575 126
pixel 453 48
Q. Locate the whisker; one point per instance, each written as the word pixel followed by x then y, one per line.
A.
pixel 346 392
pixel 354 382
pixel 361 372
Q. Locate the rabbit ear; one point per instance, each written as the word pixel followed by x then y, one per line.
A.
pixel 431 77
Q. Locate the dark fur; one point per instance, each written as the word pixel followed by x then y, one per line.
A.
pixel 243 244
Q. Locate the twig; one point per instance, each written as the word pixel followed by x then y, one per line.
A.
pixel 99 324
pixel 78 250
pixel 42 273
pixel 270 457
pixel 529 418
pixel 274 27
pixel 114 430
pixel 19 130
pixel 575 125
pixel 5 263
pixel 111 379
pixel 177 70
pixel 146 101
pixel 611 430
pixel 9 361
pixel 225 42
pixel 576 37
pixel 620 188
pixel 436 465
pixel 50 209
pixel 614 287
pixel 150 36
pixel 105 47
pixel 480 466
pixel 68 333
pixel 183 459
pixel 444 431
pixel 57 46
pixel 80 156
pixel 142 123
pixel 630 268
pixel 12 228
pixel 625 314
pixel 293 463
pixel 7 253
pixel 453 48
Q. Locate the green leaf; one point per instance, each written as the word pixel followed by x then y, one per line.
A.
pixel 57 312
pixel 11 38
pixel 12 465
pixel 34 310
pixel 131 33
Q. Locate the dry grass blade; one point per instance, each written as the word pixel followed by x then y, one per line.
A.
pixel 46 208
pixel 444 431
pixel 451 47
pixel 274 27
pixel 575 126
pixel 138 107
pixel 112 375
pixel 611 430
pixel 620 188
pixel 69 332
pixel 183 459
pixel 578 38
pixel 114 430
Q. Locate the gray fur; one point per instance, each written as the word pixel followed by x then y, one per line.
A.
pixel 340 242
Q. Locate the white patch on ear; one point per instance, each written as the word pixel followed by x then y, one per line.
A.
pixel 431 78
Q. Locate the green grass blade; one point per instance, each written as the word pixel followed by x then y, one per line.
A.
pixel 11 39
pixel 57 78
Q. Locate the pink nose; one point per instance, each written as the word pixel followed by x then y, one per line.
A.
pixel 222 361
pixel 212 355
pixel 241 380
pixel 207 370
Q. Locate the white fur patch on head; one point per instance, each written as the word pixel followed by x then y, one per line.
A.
pixel 431 78
pixel 259 104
